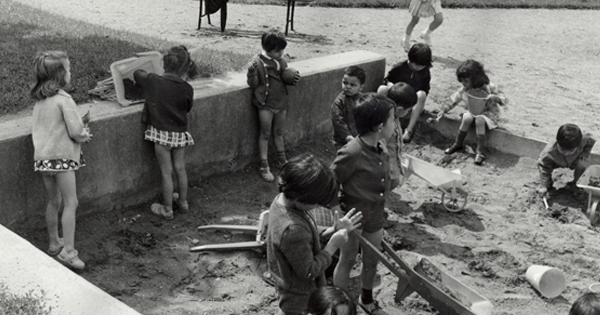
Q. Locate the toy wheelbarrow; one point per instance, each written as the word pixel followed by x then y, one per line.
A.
pixel 455 299
pixel 258 243
pixel 590 182
pixel 454 198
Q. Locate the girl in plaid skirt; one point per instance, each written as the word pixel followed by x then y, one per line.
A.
pixel 168 100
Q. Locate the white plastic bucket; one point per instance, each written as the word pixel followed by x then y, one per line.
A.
pixel 549 281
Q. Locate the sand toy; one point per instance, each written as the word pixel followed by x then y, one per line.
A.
pixel 448 297
pixel 258 243
pixel 590 182
pixel 450 183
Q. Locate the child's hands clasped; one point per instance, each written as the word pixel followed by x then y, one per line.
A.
pixel 253 66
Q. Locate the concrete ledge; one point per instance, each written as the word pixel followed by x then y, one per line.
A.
pixel 121 168
pixel 25 268
pixel 497 139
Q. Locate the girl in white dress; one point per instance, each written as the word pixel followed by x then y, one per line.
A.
pixel 419 9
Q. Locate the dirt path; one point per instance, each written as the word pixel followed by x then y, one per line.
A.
pixel 546 60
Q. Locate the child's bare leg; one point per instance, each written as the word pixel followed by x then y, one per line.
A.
pixel 348 252
pixel 370 260
pixel 278 125
pixel 467 120
pixel 52 210
pixel 438 19
pixel 66 183
pixel 163 156
pixel 414 116
pixel 409 29
pixel 266 120
pixel 178 155
pixel 480 126
pixel 411 25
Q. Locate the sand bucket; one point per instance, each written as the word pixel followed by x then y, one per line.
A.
pixel 476 101
pixel 549 281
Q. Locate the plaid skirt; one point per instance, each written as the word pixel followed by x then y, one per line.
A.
pixel 171 139
pixel 58 165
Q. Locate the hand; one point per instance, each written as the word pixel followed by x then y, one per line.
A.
pixel 338 239
pixel 349 222
pixel 253 66
pixel 89 138
pixel 296 78
pixel 86 118
pixel 349 138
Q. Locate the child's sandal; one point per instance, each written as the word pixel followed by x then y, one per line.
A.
pixel 266 174
pixel 70 259
pixel 479 159
pixel 161 211
pixel 56 250
pixel 183 208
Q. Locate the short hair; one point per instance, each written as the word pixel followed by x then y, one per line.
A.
pixel 403 95
pixel 49 74
pixel 307 180
pixel 472 70
pixel 372 110
pixel 355 71
pixel 420 54
pixel 273 40
pixel 326 298
pixel 178 60
pixel 586 304
pixel 569 136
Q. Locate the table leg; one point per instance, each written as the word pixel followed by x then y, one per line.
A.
pixel 200 15
pixel 223 15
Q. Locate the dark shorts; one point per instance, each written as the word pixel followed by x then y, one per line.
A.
pixel 372 220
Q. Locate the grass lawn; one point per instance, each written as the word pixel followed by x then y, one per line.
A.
pixel 24 31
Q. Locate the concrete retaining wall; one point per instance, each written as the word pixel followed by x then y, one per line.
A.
pixel 121 168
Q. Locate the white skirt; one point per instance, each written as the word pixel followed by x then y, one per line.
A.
pixel 425 8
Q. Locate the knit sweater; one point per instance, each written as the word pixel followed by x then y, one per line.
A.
pixel 294 255
pixel 168 100
pixel 58 128
pixel 268 89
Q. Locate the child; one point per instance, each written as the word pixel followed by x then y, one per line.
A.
pixel 571 149
pixel 419 9
pixel 481 99
pixel 586 304
pixel 295 258
pixel 342 109
pixel 58 131
pixel 331 300
pixel 405 98
pixel 362 169
pixel 269 95
pixel 168 100
pixel 414 72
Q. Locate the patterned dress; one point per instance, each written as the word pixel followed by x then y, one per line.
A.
pixel 472 101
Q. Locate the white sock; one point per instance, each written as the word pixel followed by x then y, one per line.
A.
pixel 427 31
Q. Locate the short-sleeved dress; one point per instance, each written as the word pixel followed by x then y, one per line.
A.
pixel 489 110
pixel 425 8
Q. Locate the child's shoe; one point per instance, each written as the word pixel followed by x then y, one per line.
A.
pixel 265 171
pixel 454 148
pixel 479 159
pixel 161 211
pixel 53 251
pixel 426 37
pixel 405 42
pixel 371 308
pixel 281 159
pixel 70 259
pixel 185 208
